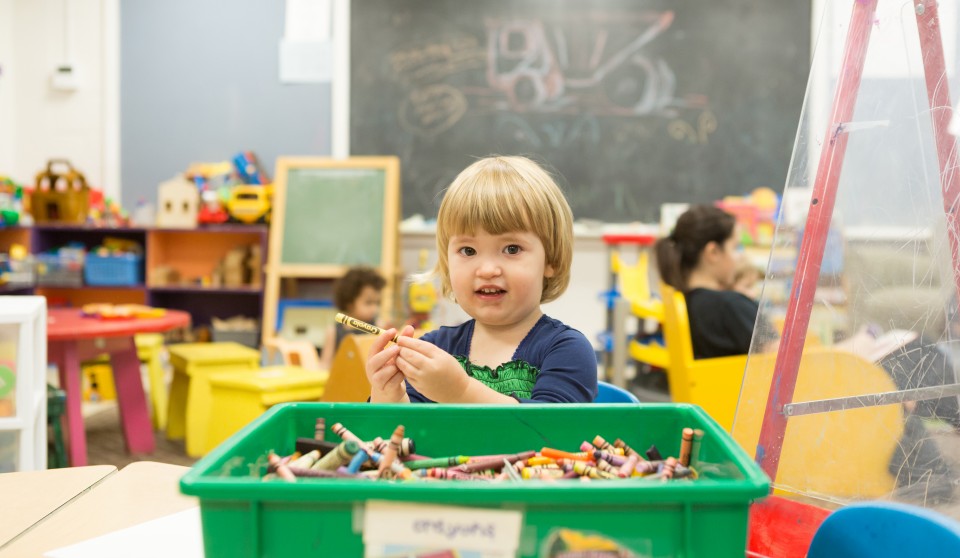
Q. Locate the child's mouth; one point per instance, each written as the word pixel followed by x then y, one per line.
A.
pixel 490 291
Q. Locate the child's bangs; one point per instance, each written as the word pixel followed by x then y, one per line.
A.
pixel 490 208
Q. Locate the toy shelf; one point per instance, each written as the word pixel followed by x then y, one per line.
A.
pixel 191 253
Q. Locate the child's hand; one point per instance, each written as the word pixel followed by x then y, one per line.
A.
pixel 386 380
pixel 431 370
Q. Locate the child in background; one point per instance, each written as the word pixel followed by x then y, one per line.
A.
pixel 504 245
pixel 356 294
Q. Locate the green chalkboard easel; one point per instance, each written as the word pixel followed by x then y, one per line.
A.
pixel 328 215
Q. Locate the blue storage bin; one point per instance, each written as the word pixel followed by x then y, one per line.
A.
pixel 118 269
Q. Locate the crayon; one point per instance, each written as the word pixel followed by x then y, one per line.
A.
pixel 340 430
pixel 669 466
pixel 534 461
pixel 587 447
pixel 653 454
pixel 647 467
pixel 618 443
pixel 340 456
pixel 362 326
pixel 628 467
pixel 407 446
pixel 396 468
pixel 600 443
pixel 494 463
pixel 320 430
pixel 452 474
pixel 695 447
pixel 306 460
pixel 316 473
pixel 436 462
pixel 585 470
pixel 390 454
pixel 281 468
pixel 510 472
pixel 306 445
pixel 686 444
pixel 617 460
pixel 555 453
pixel 358 460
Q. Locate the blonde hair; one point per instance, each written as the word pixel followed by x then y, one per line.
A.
pixel 508 194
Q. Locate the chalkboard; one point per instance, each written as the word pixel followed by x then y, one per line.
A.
pixel 629 103
pixel 330 214
pixel 333 216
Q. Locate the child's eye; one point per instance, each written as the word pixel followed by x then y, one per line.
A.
pixel 513 249
pixel 466 251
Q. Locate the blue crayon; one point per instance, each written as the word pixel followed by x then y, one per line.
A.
pixel 358 460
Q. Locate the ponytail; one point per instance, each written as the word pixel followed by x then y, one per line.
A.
pixel 678 254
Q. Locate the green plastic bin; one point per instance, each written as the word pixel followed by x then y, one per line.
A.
pixel 244 516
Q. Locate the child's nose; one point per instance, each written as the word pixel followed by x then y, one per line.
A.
pixel 488 268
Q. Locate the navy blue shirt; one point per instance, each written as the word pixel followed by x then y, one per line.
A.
pixel 558 360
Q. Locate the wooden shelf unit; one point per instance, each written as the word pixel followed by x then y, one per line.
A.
pixel 192 252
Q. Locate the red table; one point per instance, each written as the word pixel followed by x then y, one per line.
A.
pixel 72 337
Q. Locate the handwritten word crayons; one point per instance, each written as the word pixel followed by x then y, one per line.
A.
pixel 393 458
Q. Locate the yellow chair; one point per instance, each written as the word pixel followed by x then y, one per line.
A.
pixel 193 364
pixel 348 378
pixel 150 348
pixel 634 283
pixel 835 453
pixel 240 397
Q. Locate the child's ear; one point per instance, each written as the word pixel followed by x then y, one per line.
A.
pixel 549 272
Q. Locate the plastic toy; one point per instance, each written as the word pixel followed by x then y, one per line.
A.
pixel 249 204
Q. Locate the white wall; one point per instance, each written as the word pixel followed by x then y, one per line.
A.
pixel 36 122
pixel 6 86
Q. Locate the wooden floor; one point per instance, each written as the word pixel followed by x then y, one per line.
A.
pixel 105 444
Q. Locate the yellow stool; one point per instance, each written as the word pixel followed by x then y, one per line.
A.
pixel 149 351
pixel 193 364
pixel 240 397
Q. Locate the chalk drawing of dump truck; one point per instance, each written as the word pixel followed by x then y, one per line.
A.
pixel 537 69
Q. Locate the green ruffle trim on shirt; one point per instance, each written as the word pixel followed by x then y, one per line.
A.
pixel 515 378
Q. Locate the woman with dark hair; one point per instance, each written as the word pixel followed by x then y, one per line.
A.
pixel 700 259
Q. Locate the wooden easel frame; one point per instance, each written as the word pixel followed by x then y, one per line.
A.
pixel 810 256
pixel 276 270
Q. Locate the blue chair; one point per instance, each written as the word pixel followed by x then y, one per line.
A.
pixel 609 393
pixel 885 529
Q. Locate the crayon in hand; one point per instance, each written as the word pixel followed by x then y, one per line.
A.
pixel 362 326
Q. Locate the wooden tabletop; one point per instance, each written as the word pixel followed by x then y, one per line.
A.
pixel 69 323
pixel 30 496
pixel 138 493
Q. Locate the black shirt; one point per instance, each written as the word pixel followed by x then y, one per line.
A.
pixel 722 322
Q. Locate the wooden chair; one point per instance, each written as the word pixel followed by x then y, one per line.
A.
pixel 825 453
pixel 348 377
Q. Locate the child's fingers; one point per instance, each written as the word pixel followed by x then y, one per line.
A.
pixel 407 331
pixel 382 341
pixel 418 345
pixel 381 359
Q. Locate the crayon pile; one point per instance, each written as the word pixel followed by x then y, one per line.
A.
pixel 395 458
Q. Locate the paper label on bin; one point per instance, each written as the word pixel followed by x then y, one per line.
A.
pixel 392 528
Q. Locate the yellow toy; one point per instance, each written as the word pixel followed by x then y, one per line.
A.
pixel 249 203
pixel 422 299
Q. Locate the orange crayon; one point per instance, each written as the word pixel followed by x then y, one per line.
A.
pixel 560 454
pixel 686 444
pixel 391 451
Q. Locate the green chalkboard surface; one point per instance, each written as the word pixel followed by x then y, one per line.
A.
pixel 631 103
pixel 334 216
